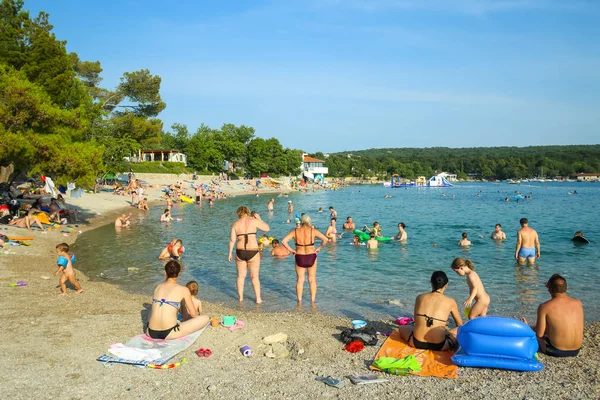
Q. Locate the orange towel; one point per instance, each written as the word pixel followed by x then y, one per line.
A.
pixel 433 363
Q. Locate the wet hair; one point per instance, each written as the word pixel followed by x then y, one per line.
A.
pixel 439 279
pixel 465 235
pixel 63 247
pixel 348 217
pixel 375 223
pixel 179 241
pixel 172 268
pixel 306 220
pixel 372 235
pixel 499 225
pixel 557 284
pixel 166 210
pixel 523 221
pixel 356 237
pixel 402 225
pixel 461 262
pixel 274 242
pixel 193 286
pixel 241 211
pixel 331 207
pixel 333 219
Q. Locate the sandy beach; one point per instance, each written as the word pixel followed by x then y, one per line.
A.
pixel 50 343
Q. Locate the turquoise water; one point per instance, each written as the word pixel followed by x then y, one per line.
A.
pixel 353 282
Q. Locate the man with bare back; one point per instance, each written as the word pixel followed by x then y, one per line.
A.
pixel 527 243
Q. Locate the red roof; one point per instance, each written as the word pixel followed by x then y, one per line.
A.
pixel 310 159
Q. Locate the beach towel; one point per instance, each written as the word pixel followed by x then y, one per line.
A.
pixel 141 348
pixel 433 363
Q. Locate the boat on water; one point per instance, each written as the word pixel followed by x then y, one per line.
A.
pixel 512 182
pixel 435 181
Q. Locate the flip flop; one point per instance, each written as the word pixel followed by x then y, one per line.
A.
pixel 238 325
pixel 203 353
pixel 336 383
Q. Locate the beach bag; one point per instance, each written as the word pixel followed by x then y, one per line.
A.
pixel 367 335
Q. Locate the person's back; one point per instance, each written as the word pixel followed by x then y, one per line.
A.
pixel 245 229
pixel 372 243
pixel 438 307
pixel 528 243
pixel 161 313
pixel 564 322
pixel 304 239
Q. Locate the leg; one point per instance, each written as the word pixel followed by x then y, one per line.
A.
pixel 521 260
pixel 75 283
pixel 405 331
pixel 189 326
pixel 300 274
pixel 254 267
pixel 242 270
pixel 479 309
pixel 63 288
pixel 531 260
pixel 312 282
pixel 541 344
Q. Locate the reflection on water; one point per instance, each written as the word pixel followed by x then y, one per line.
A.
pixel 353 280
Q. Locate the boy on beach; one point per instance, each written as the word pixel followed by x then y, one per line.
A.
pixel 464 242
pixel 196 303
pixel 68 273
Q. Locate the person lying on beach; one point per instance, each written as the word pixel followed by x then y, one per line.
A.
pixel 431 317
pixel 401 235
pixel 464 242
pixel 372 243
pixel 498 234
pixel 349 224
pixel 197 304
pixel 65 265
pixel 173 250
pixel 166 302
pixel 559 326
pixel 278 249
pixel 26 222
pixel 123 220
pixel 166 217
pixel 143 205
pixel 465 267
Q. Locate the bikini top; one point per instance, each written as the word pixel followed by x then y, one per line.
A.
pixel 163 301
pixel 246 236
pixel 304 245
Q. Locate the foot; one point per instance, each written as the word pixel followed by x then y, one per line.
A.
pixel 259 301
pixel 62 294
pixel 80 291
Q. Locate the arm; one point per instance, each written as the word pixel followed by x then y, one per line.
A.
pixel 537 244
pixel 455 314
pixel 285 241
pixel 518 245
pixel 260 224
pixel 232 237
pixel 540 326
pixel 323 239
pixel 58 270
pixel 189 303
pixel 473 290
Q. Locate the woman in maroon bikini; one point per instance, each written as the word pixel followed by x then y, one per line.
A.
pixel 305 255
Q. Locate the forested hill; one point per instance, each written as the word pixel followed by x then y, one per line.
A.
pixel 485 162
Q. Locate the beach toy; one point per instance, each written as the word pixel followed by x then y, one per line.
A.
pixel 358 323
pixel 238 325
pixel 467 312
pixel 229 321
pixel 497 342
pixel 434 245
pixel 404 321
pixel 214 322
pixel 247 351
pixel 167 366
pixel 19 283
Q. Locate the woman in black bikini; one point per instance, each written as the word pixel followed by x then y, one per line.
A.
pixel 431 317
pixel 165 306
pixel 247 257
pixel 305 255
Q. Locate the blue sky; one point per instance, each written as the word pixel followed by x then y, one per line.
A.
pixel 332 75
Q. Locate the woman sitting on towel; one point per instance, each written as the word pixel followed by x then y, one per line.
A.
pixel 305 255
pixel 431 317
pixel 168 295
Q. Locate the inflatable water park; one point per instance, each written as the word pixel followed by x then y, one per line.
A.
pixel 435 181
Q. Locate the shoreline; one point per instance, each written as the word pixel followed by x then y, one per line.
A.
pixel 48 336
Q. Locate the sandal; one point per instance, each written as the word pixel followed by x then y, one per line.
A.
pixel 203 353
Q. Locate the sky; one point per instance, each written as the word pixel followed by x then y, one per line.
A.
pixel 336 75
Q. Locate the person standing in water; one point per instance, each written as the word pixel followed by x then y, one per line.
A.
pixel 331 231
pixel 290 207
pixel 247 257
pixel 465 267
pixel 271 205
pixel 332 212
pixel 401 235
pixel 349 224
pixel 305 255
pixel 498 234
pixel 527 243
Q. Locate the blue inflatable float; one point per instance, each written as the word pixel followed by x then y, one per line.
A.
pixel 497 342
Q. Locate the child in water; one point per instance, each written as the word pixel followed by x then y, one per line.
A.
pixel 464 242
pixel 196 304
pixel 465 267
pixel 372 243
pixel 166 217
pixel 68 273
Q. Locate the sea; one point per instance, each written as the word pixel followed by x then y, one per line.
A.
pixel 354 282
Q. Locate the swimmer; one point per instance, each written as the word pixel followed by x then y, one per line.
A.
pixel 264 241
pixel 376 229
pixel 372 243
pixel 290 207
pixel 332 212
pixel 320 209
pixel 173 250
pixel 527 243
pixel 401 235
pixel 356 240
pixel 349 224
pixel 464 242
pixel 211 202
pixel 196 303
pixel 123 220
pixel 278 249
pixel 498 234
pixel 331 231
pixel 506 199
pixel 166 217
pixel 271 205
pixel 465 267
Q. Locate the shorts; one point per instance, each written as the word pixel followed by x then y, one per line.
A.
pixel 527 252
pixel 554 352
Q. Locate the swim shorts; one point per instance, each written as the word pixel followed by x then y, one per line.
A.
pixel 554 352
pixel 527 252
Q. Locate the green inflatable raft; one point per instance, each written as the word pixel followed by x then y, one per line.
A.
pixel 364 236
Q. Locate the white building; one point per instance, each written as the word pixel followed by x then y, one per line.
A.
pixel 448 176
pixel 313 168
pixel 158 156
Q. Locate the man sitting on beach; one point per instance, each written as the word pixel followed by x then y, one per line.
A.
pixel 527 243
pixel 559 327
pixel 498 234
